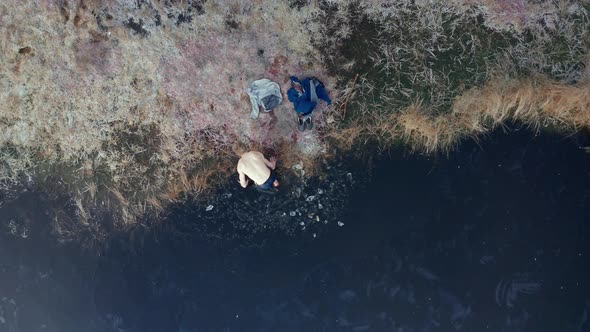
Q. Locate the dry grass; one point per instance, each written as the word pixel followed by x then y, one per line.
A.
pixel 428 133
pixel 537 104
pixel 129 105
pixel 515 16
pixel 138 105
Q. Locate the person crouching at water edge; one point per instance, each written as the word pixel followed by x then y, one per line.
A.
pixel 253 166
pixel 305 96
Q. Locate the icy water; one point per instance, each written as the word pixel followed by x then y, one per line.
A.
pixel 493 238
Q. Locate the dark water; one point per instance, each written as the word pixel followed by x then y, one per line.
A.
pixel 493 238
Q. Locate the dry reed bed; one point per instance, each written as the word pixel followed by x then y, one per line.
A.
pixel 537 104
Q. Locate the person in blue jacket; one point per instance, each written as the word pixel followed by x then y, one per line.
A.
pixel 305 95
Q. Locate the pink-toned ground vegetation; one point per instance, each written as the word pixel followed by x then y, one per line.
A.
pixel 130 105
pixel 140 108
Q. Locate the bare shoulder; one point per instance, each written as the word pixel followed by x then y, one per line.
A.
pixel 252 155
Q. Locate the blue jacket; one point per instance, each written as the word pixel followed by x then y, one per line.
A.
pixel 306 102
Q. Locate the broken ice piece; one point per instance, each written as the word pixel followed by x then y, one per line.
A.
pixel 320 206
pixel 209 208
pixel 340 223
pixel 320 191
pixel 317 218
pixel 310 198
pixel 302 223
pixel 292 213
pixel 314 235
pixel 349 176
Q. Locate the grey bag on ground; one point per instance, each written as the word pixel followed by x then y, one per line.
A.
pixel 265 93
